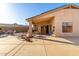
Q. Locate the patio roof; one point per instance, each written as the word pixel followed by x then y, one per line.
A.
pixel 53 10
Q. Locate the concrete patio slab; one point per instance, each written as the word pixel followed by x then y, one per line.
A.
pixel 10 40
pixel 14 51
pixel 6 48
pixel 31 50
pixel 61 50
pixel 75 47
pixel 50 46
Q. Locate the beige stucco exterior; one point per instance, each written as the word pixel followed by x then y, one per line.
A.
pixel 69 13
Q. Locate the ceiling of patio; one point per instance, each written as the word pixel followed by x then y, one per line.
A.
pixel 42 19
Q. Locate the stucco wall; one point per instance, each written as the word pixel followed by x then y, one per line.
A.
pixel 60 16
pixel 67 15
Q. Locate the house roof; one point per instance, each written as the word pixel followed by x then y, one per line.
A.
pixel 56 9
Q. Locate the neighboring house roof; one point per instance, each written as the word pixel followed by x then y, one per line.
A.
pixel 56 9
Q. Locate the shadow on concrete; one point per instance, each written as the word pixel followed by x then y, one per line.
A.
pixel 61 41
pixel 40 37
pixel 74 40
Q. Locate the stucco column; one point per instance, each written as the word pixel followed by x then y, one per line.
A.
pixel 30 28
pixel 39 29
pixel 49 27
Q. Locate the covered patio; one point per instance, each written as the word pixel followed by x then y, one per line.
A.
pixel 42 25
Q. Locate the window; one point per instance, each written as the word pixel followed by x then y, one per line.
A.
pixel 67 27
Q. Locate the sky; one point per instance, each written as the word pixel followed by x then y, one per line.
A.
pixel 17 12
